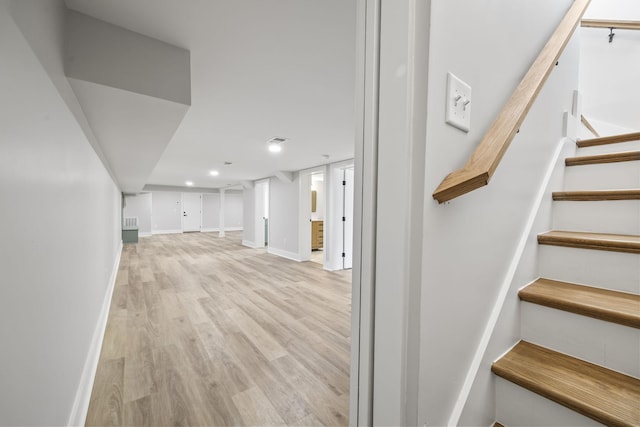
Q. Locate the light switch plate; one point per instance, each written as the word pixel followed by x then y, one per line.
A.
pixel 458 108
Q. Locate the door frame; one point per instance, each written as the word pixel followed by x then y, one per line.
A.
pixel 259 212
pixel 304 211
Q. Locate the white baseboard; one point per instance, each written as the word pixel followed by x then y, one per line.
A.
pixel 285 254
pixel 249 244
pixel 166 232
pixel 215 230
pixel 83 395
pixel 145 234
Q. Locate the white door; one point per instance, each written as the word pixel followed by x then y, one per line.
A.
pixel 347 223
pixel 191 212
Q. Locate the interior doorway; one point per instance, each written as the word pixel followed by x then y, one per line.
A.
pixel 261 218
pixel 318 196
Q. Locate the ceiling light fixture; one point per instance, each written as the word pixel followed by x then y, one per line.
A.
pixel 275 144
pixel 214 173
pixel 275 148
pixel 189 183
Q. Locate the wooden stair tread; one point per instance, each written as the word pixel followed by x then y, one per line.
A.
pixel 601 394
pixel 612 306
pixel 599 241
pixel 595 195
pixel 623 156
pixel 609 140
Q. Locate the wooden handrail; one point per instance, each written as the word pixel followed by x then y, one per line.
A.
pixel 616 24
pixel 485 159
pixel 589 126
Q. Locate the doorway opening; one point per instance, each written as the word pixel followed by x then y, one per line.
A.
pixel 261 218
pixel 317 217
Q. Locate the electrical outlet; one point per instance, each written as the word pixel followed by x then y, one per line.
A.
pixel 458 105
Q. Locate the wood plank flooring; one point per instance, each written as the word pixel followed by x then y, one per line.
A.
pixel 203 331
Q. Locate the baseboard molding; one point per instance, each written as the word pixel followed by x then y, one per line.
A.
pixel 284 254
pixel 210 230
pixel 166 232
pixel 80 407
pixel 249 244
pixel 145 234
pixel 233 229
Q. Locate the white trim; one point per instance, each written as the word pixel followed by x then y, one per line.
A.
pixel 505 286
pixel 80 407
pixel 210 230
pixel 249 244
pixel 233 229
pixel 166 231
pixel 145 234
pixel 365 207
pixel 284 254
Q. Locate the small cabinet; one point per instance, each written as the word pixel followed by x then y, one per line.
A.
pixel 317 235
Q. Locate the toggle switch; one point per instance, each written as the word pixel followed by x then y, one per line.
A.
pixel 458 105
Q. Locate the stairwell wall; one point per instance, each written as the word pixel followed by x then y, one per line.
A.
pixel 468 243
pixel 60 228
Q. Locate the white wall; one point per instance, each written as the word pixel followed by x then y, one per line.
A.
pixel 210 212
pixel 60 227
pixel 468 243
pixel 139 206
pixel 233 216
pixel 248 216
pixel 283 217
pixel 609 71
pixel 95 54
pixel 166 211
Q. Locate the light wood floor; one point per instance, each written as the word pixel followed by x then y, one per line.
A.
pixel 203 331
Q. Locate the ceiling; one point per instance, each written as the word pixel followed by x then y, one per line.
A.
pixel 259 69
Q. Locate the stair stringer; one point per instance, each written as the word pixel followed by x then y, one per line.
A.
pixel 477 395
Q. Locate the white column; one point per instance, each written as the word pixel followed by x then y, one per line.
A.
pixel 221 224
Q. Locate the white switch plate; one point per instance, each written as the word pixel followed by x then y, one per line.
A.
pixel 458 108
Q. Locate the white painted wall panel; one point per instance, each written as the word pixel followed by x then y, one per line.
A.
pixel 609 71
pixel 166 212
pixel 60 228
pixel 283 216
pixel 210 212
pixel 139 206
pixel 233 210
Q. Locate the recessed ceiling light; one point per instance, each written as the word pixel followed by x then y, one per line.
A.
pixel 189 183
pixel 214 173
pixel 275 147
pixel 275 144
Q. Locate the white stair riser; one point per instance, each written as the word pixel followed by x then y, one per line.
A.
pixel 603 176
pixel 615 216
pixel 603 269
pixel 607 344
pixel 609 148
pixel 516 406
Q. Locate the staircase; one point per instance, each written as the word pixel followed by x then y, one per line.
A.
pixel 579 359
